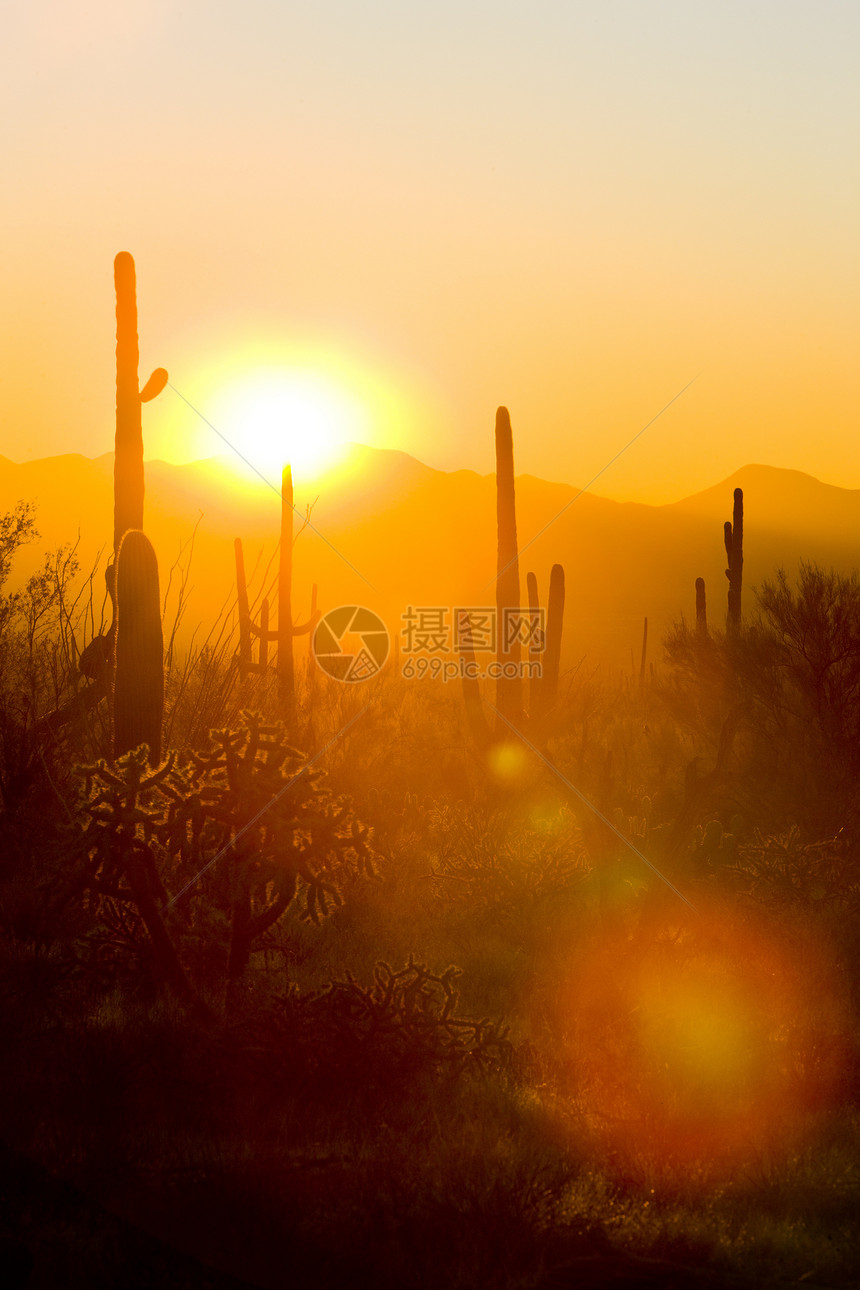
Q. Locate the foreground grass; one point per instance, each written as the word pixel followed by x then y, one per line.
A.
pixel 277 1148
pixel 233 1151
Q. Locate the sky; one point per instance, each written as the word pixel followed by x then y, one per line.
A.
pixel 411 214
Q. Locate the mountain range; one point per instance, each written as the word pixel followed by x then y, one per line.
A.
pixel 389 532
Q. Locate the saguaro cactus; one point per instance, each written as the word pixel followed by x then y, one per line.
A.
pixel 734 539
pixel 543 689
pixel 128 485
pixel 536 648
pixel 286 629
pixel 701 610
pixel 508 687
pixel 138 704
pixel 471 690
pixel 554 626
pixel 286 666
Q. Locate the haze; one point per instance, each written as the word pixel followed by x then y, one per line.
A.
pixel 570 209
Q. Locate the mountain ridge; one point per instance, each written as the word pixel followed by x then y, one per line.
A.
pixel 391 532
pixel 224 461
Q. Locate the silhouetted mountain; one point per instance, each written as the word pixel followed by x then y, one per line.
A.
pixel 390 532
pixel 788 502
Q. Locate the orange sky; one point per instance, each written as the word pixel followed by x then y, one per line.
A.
pixel 572 209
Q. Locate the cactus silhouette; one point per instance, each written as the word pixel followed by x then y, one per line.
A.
pixel 543 689
pixel 286 666
pixel 128 486
pixel 508 688
pixel 138 704
pixel 701 610
pixel 536 648
pixel 471 690
pixel 286 629
pixel 554 625
pixel 734 539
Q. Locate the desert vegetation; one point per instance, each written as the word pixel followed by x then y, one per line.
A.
pixel 398 983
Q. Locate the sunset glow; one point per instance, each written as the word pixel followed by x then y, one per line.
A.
pixel 430 644
pixel 269 418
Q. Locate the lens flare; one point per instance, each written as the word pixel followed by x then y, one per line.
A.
pixel 508 762
pixel 700 1041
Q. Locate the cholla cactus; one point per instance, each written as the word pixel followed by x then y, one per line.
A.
pixel 116 848
pixel 278 831
pixel 225 841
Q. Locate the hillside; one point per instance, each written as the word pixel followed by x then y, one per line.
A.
pixel 390 532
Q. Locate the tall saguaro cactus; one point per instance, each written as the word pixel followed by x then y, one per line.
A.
pixel 543 688
pixel 128 449
pixel 508 688
pixel 554 626
pixel 138 700
pixel 286 666
pixel 536 647
pixel 286 629
pixel 734 539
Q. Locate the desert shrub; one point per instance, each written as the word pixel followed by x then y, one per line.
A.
pixel 404 1026
pixel 211 851
pixel 499 861
pixel 787 871
pixel 790 682
pixel 38 654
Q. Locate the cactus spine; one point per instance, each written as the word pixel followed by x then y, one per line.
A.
pixel 508 688
pixel 128 484
pixel 734 539
pixel 139 671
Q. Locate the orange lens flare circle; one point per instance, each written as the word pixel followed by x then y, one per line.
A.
pixel 701 1040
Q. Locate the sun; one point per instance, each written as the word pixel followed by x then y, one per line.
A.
pixel 269 418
